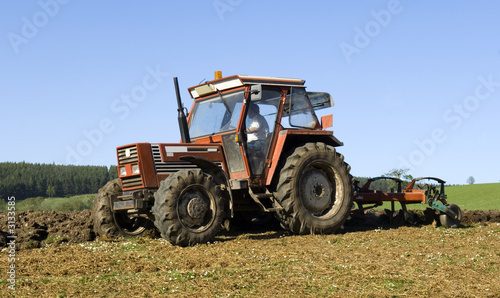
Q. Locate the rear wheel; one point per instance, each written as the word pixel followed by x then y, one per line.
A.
pixel 189 208
pixel 111 224
pixel 315 190
pixel 449 222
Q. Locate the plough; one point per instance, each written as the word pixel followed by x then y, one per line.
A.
pixel 450 214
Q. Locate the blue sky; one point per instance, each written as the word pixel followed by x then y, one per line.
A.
pixel 416 83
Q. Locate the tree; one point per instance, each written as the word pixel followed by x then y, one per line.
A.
pixel 24 180
pixel 113 173
pixel 51 191
pixel 471 180
pixel 399 173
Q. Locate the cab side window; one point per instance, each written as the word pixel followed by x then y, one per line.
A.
pixel 298 111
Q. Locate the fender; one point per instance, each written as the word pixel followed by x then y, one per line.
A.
pixel 292 138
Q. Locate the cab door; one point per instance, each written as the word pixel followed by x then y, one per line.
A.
pixel 258 145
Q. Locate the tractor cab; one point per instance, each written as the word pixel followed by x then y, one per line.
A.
pixel 247 115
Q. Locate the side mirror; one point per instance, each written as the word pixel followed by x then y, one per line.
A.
pixel 320 100
pixel 256 92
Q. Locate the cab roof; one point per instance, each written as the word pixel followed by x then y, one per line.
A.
pixel 230 82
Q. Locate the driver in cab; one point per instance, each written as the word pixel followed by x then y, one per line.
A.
pixel 257 128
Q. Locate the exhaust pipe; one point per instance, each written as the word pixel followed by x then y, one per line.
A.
pixel 181 117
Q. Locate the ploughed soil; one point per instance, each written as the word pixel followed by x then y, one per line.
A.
pixel 58 254
pixel 35 228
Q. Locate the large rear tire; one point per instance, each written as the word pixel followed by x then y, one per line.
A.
pixel 315 190
pixel 119 224
pixel 189 208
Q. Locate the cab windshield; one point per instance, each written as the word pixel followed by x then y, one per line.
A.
pixel 216 114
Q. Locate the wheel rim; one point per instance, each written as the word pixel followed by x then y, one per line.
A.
pixel 320 190
pixel 131 226
pixel 196 208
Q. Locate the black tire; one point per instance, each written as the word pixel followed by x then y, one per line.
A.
pixel 447 221
pixel 119 224
pixel 315 190
pixel 189 208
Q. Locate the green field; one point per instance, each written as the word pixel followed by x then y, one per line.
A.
pixel 72 203
pixel 475 196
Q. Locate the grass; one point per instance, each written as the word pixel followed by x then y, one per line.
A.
pixel 475 196
pixel 72 203
pixel 79 202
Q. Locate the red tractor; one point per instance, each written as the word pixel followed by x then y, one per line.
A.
pixel 250 146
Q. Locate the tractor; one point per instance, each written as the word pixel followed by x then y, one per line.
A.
pixel 251 147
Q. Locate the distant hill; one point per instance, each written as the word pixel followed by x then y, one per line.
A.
pixel 23 180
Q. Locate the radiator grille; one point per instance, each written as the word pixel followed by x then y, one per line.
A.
pixel 129 182
pixel 127 155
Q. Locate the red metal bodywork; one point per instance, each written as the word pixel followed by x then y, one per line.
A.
pixel 365 195
pixel 157 161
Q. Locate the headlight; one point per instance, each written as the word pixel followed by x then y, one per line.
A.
pixel 135 169
pixel 123 172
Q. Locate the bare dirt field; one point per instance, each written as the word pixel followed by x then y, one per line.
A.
pixel 57 254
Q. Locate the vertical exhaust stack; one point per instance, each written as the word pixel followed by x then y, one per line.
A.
pixel 181 117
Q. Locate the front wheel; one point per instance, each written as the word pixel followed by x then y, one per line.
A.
pixel 111 224
pixel 315 190
pixel 189 208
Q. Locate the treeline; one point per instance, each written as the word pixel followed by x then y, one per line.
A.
pixel 385 185
pixel 25 180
